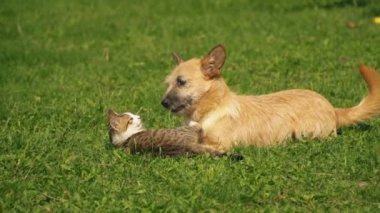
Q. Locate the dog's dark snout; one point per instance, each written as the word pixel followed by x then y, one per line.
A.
pixel 165 103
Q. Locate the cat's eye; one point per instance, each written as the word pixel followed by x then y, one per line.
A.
pixel 181 82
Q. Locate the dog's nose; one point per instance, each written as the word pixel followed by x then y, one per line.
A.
pixel 165 103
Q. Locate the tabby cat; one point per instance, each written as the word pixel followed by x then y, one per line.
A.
pixel 126 130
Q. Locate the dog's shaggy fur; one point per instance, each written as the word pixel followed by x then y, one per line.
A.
pixel 197 92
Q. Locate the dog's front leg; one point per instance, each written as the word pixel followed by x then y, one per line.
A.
pixel 214 143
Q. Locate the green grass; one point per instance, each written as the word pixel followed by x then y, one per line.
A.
pixel 56 86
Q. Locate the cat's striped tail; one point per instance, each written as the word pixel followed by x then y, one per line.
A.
pixel 369 107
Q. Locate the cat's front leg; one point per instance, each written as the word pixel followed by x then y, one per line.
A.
pixel 189 122
pixel 194 123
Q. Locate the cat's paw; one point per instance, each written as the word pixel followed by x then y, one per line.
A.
pixel 194 123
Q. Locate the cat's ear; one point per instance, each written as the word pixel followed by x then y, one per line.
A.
pixel 212 63
pixel 177 59
pixel 113 119
pixel 111 113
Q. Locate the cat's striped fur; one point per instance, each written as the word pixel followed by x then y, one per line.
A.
pixel 125 130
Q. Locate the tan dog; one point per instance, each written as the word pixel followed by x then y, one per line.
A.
pixel 197 92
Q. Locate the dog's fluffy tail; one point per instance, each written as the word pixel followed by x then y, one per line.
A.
pixel 368 107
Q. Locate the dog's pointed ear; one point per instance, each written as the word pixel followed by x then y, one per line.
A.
pixel 212 63
pixel 178 59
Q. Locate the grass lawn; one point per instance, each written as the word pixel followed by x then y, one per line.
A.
pixel 64 63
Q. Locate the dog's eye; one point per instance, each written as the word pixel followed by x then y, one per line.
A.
pixel 181 82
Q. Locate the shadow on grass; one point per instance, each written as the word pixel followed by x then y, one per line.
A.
pixel 343 3
pixel 373 6
pixel 361 127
